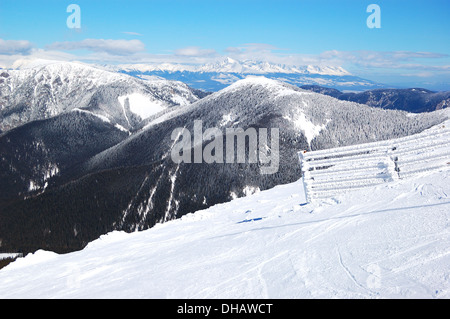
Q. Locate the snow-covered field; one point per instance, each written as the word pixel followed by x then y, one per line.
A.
pixel 387 241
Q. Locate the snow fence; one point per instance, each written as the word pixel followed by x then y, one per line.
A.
pixel 330 172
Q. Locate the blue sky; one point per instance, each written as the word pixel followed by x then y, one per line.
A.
pixel 412 45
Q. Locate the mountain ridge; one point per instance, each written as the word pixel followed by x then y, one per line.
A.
pixel 416 100
pixel 229 65
pixel 216 76
pixel 43 89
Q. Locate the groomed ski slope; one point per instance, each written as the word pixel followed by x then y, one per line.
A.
pixel 386 241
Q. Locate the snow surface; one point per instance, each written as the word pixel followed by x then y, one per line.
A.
pixel 307 127
pixel 142 105
pixel 387 241
pixel 101 117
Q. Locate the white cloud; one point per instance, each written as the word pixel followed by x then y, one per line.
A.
pixel 132 33
pixel 386 59
pixel 9 47
pixel 425 74
pixel 195 52
pixel 253 47
pixel 114 47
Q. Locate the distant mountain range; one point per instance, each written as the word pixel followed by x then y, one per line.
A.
pixel 216 76
pixel 233 66
pixel 329 80
pixel 415 100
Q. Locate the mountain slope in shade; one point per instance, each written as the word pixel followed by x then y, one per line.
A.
pixel 42 90
pixel 414 100
pixel 135 184
pixel 392 244
pixel 35 153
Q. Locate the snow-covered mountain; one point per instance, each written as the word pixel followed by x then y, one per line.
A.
pixel 134 184
pixel 388 241
pixel 229 65
pixel 42 89
pixel 216 76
